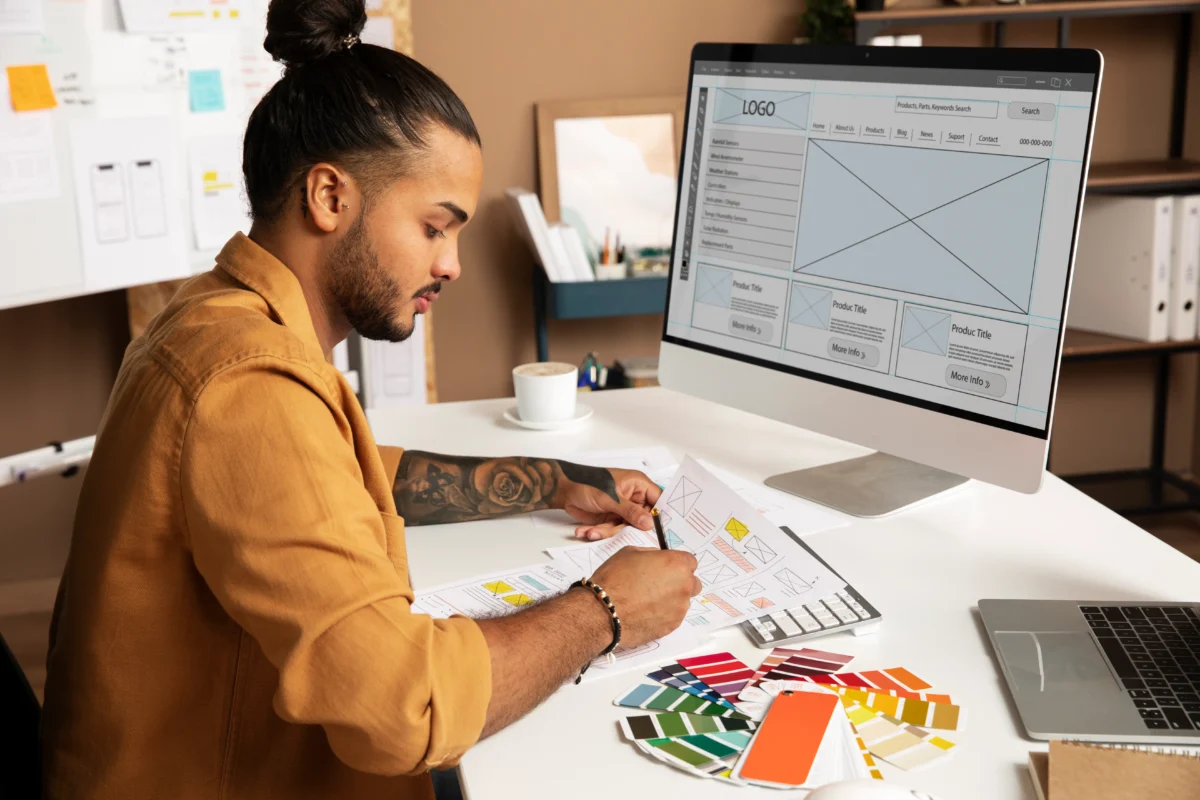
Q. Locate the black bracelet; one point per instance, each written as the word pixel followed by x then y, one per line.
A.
pixel 603 597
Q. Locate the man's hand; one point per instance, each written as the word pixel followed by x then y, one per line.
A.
pixel 606 500
pixel 534 651
pixel 651 590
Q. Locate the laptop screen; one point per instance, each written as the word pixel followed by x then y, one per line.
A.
pixel 904 231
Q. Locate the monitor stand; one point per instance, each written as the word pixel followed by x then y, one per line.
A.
pixel 869 486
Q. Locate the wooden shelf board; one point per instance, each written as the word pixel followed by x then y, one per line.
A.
pixel 1085 344
pixel 1132 175
pixel 988 12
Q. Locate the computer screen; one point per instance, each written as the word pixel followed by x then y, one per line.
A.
pixel 902 231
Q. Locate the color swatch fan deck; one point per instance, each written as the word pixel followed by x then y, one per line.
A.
pixel 722 720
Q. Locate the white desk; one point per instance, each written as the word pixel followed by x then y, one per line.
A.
pixel 924 569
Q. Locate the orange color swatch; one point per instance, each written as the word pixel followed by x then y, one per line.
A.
pixel 786 745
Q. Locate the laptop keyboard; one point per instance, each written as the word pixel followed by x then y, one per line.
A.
pixel 1155 651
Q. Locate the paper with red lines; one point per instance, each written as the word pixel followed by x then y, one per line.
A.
pixel 747 566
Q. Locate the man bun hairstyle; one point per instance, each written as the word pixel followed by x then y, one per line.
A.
pixel 364 108
pixel 305 30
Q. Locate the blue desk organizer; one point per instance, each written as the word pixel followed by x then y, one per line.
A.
pixel 619 298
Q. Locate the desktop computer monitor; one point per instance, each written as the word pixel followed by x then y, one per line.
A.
pixel 876 243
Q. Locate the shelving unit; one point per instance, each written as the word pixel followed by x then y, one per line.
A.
pixel 1131 492
pixel 1143 491
pixel 1169 176
pixel 869 24
pixel 1172 174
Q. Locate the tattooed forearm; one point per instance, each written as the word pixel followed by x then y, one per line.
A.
pixel 433 488
pixel 599 477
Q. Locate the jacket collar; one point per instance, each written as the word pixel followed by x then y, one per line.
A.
pixel 267 276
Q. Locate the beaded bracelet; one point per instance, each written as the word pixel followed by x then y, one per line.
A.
pixel 603 597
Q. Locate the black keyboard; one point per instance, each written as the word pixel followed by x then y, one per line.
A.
pixel 1155 651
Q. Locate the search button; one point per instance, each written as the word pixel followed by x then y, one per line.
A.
pixel 1043 112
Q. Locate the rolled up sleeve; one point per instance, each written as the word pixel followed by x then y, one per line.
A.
pixel 286 536
pixel 390 456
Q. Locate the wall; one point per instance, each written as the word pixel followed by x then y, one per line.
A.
pixel 502 58
pixel 58 362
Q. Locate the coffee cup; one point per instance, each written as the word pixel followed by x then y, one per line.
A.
pixel 546 391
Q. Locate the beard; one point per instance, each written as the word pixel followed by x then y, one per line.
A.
pixel 366 294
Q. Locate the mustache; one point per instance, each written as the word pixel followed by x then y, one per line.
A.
pixel 434 289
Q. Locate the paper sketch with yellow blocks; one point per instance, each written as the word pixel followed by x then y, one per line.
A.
pixel 736 529
pixel 740 554
pixel 493 595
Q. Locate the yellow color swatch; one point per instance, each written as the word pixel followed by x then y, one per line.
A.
pixel 518 600
pixel 497 587
pixel 736 528
pixel 30 88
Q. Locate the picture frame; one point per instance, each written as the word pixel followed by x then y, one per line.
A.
pixel 548 114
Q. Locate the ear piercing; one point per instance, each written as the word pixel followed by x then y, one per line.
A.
pixel 345 207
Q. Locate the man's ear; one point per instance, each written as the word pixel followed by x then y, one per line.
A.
pixel 330 197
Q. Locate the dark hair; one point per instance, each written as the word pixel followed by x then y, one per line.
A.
pixel 362 107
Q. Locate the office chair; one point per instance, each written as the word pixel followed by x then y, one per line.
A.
pixel 20 749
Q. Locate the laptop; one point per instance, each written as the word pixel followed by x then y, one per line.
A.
pixel 1100 671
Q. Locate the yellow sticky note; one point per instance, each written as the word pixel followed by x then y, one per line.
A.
pixel 30 88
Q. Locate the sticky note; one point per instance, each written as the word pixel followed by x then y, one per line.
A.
pixel 29 85
pixel 205 90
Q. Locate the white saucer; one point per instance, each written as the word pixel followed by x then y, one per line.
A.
pixel 582 412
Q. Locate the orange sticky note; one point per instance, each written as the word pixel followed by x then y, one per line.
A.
pixel 30 88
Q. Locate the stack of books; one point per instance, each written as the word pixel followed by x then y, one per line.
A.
pixel 557 247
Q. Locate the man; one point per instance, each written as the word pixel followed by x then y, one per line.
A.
pixel 234 620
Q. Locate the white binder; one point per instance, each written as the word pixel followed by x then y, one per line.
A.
pixel 1185 272
pixel 1123 267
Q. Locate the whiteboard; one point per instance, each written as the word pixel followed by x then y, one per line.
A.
pixel 102 73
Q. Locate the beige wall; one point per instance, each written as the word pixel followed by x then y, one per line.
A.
pixel 502 58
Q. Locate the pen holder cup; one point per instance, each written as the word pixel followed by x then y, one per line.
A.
pixel 612 272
